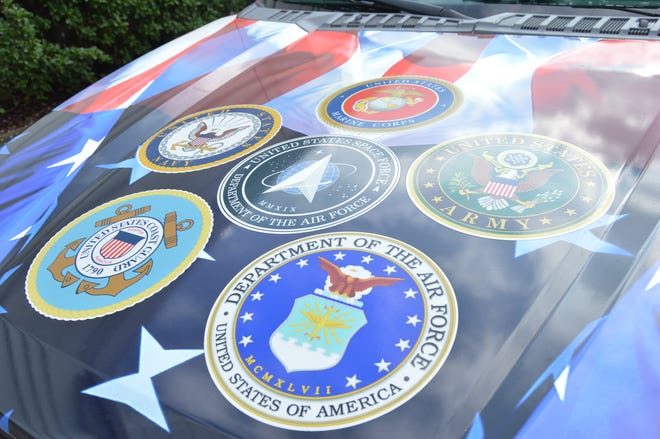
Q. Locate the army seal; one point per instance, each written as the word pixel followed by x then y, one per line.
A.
pixel 510 186
pixel 330 331
pixel 118 254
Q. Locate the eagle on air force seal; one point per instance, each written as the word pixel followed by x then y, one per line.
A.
pixel 330 331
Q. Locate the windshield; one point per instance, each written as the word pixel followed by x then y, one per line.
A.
pixel 574 3
pixel 482 8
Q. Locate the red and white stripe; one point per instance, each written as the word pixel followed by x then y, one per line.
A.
pixel 115 249
pixel 499 189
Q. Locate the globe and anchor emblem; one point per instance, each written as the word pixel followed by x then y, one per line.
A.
pixel 393 99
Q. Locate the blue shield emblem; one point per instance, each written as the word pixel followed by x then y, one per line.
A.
pixel 316 333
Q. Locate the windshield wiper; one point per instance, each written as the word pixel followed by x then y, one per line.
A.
pixel 638 12
pixel 409 6
pixel 414 7
pixel 644 7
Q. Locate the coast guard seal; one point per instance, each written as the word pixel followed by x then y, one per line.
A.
pixel 390 103
pixel 118 254
pixel 209 138
pixel 330 331
pixel 308 183
pixel 510 186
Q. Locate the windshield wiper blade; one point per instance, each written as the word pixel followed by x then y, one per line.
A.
pixel 409 6
pixel 644 7
pixel 414 7
pixel 638 11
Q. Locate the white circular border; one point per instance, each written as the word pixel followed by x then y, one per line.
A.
pixel 178 135
pixel 96 250
pixel 435 305
pixel 396 175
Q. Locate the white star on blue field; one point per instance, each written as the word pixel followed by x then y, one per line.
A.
pixel 203 255
pixel 560 367
pixel 583 237
pixel 137 390
pixel 77 160
pixel 137 170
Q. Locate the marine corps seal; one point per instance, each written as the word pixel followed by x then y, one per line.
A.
pixel 209 138
pixel 308 183
pixel 510 186
pixel 390 103
pixel 330 331
pixel 118 254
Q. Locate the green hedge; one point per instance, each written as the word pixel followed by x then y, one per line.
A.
pixel 51 49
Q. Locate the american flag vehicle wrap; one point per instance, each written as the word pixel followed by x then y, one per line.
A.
pixel 268 229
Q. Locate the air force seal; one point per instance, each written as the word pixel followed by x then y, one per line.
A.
pixel 308 183
pixel 118 254
pixel 209 138
pixel 330 331
pixel 510 186
pixel 391 103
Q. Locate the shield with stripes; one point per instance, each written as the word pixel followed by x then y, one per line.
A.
pixel 120 244
pixel 501 187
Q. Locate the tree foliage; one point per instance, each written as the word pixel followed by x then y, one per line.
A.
pixel 52 48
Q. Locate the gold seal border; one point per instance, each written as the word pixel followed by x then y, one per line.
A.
pixel 321 110
pixel 145 162
pixel 48 310
pixel 387 406
pixel 606 176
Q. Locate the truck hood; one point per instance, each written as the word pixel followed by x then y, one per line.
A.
pixel 462 137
